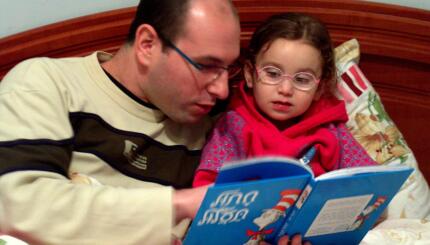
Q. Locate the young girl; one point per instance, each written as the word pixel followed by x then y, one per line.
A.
pixel 286 105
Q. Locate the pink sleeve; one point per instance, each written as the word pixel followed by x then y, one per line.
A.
pixel 352 153
pixel 225 143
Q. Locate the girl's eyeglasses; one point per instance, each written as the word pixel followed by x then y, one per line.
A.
pixel 271 75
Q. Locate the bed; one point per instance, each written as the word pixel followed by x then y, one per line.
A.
pixel 394 42
pixel 394 54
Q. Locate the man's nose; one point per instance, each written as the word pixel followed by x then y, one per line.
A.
pixel 219 87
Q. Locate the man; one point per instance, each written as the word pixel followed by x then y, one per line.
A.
pixel 134 122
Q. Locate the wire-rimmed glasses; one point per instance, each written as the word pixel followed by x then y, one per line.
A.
pixel 271 75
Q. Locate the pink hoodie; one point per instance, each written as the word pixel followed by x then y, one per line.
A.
pixel 243 132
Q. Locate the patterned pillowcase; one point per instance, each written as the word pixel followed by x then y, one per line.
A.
pixel 372 127
pixel 369 122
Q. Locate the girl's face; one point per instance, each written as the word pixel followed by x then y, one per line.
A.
pixel 283 101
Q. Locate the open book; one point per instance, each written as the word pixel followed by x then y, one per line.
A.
pixel 265 198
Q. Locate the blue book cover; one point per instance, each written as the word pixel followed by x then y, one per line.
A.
pixel 264 198
pixel 340 207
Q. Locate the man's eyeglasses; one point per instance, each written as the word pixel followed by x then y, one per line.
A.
pixel 212 71
pixel 271 75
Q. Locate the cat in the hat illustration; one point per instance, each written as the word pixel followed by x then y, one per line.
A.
pixel 367 212
pixel 270 216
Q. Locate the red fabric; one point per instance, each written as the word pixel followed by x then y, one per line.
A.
pixel 261 137
pixel 255 234
pixel 204 177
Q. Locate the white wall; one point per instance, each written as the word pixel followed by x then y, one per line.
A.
pixel 21 15
pixel 422 4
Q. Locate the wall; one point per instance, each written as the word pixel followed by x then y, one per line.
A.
pixel 20 15
pixel 422 4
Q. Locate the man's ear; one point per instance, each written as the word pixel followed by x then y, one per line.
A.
pixel 248 72
pixel 146 43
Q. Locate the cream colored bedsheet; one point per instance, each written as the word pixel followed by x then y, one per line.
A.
pixel 399 231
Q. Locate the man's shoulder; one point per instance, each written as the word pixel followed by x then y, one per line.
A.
pixel 39 65
pixel 45 63
pixel 42 73
pixel 31 63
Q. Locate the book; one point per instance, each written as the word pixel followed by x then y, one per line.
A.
pixel 268 197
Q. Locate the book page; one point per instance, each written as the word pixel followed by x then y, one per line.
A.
pixel 362 170
pixel 338 215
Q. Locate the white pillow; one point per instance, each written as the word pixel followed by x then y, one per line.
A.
pixel 372 127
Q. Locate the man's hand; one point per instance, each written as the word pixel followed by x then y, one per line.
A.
pixel 186 202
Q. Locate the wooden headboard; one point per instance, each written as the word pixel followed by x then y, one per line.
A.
pixel 394 41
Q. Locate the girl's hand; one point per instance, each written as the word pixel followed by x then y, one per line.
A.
pixel 297 240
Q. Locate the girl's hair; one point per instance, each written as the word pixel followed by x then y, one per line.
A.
pixel 297 26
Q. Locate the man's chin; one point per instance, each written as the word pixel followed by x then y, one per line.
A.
pixel 193 115
pixel 194 120
pixel 190 119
